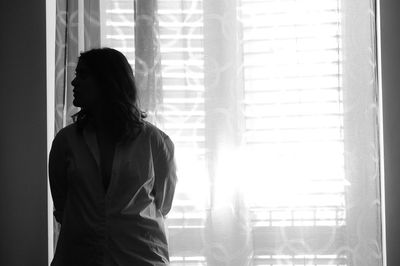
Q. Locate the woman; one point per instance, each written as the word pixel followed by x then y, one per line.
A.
pixel 112 175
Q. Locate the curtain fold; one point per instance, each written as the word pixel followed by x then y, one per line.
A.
pixel 273 109
pixel 361 137
pixel 147 58
pixel 228 235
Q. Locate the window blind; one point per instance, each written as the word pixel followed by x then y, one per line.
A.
pixel 294 125
pixel 293 95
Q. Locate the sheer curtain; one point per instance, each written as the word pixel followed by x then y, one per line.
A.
pixel 273 108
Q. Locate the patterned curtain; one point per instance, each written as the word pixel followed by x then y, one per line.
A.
pixel 67 51
pixel 273 106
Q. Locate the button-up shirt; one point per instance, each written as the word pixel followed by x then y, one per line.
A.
pixel 122 224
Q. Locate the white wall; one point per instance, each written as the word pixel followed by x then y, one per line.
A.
pixel 23 189
pixel 23 209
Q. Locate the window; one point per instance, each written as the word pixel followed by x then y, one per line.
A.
pixel 271 105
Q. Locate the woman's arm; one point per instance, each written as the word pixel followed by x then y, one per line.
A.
pixel 58 175
pixel 165 175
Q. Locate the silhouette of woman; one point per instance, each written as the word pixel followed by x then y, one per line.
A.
pixel 112 174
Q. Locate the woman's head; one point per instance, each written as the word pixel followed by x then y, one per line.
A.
pixel 104 82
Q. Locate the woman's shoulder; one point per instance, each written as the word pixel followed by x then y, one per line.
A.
pixel 62 138
pixel 155 133
pixel 152 129
pixel 66 134
pixel 67 131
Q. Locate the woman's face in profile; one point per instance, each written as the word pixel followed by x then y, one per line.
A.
pixel 86 90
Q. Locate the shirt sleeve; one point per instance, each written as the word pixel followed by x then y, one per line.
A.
pixel 58 175
pixel 165 176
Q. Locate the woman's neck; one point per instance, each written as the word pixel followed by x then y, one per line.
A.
pixel 100 122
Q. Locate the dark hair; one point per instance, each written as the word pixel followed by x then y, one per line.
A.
pixel 118 90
